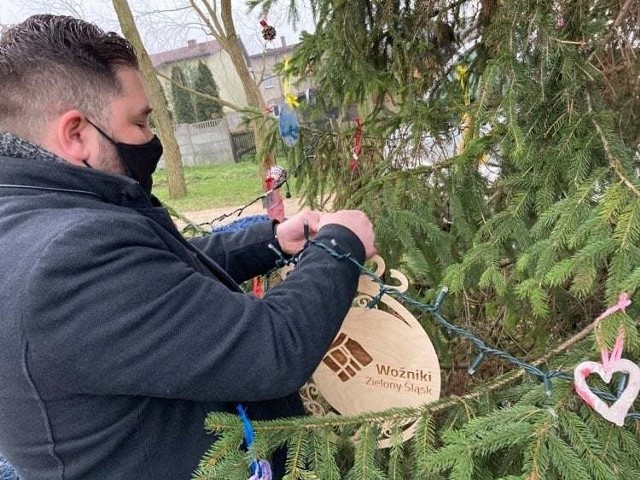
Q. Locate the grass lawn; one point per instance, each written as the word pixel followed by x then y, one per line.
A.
pixel 212 186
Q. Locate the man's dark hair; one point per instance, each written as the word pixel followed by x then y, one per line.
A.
pixel 50 64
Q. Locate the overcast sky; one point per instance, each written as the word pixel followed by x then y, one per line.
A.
pixel 161 30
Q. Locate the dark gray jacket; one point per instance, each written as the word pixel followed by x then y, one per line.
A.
pixel 117 336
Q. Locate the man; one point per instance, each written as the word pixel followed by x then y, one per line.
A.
pixel 117 336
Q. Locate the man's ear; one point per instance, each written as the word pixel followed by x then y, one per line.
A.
pixel 75 138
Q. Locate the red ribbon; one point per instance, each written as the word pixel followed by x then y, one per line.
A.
pixel 257 287
pixel 356 150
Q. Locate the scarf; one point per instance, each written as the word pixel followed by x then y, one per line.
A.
pixel 16 147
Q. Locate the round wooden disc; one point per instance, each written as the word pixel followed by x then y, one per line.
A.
pixel 378 361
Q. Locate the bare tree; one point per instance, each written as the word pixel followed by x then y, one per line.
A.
pixel 217 17
pixel 161 118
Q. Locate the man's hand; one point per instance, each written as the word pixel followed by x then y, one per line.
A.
pixel 290 233
pixel 357 222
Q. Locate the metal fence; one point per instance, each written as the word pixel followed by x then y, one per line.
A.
pixel 243 143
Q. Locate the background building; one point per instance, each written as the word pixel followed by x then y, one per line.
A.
pixel 263 67
pixel 218 61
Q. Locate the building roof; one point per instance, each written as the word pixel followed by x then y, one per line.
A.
pixel 192 50
pixel 282 49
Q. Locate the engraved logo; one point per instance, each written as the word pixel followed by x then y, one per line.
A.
pixel 346 357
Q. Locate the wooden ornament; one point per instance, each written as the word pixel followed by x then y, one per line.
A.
pixel 617 412
pixel 380 359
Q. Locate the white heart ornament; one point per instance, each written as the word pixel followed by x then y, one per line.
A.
pixel 617 412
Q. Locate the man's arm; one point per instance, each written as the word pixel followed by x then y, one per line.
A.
pixel 247 254
pixel 131 318
pixel 243 255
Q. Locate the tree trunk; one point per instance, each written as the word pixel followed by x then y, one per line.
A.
pixel 225 33
pixel 219 20
pixel 161 118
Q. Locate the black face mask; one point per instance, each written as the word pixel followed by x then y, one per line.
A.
pixel 139 160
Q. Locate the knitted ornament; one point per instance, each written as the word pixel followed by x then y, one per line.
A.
pixel 273 202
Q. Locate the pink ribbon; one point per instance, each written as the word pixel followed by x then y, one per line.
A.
pixel 623 302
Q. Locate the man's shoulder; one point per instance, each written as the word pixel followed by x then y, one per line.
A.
pixel 57 217
pixel 88 228
pixel 41 231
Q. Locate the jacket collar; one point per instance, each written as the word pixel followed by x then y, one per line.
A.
pixel 38 174
pixel 60 176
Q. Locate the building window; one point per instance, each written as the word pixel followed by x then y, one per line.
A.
pixel 269 81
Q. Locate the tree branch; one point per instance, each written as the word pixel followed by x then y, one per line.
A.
pixel 208 20
pixel 200 94
pixel 167 10
pixel 408 413
pixel 621 15
pixel 613 161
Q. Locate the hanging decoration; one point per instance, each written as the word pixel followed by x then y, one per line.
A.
pixel 268 31
pixel 276 176
pixel 617 412
pixel 611 363
pixel 352 356
pixel 381 358
pixel 347 360
pixel 288 124
pixel 356 148
pixel 257 287
pixel 260 469
pixel 289 98
pixel 467 128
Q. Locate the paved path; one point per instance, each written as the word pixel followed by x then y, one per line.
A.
pixel 291 206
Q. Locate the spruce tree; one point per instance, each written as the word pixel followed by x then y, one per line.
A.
pixel 206 108
pixel 182 101
pixel 500 158
pixel 500 150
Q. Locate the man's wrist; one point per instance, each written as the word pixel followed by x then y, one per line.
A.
pixel 275 224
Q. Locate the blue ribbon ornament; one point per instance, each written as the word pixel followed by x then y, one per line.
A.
pixel 260 469
pixel 289 125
